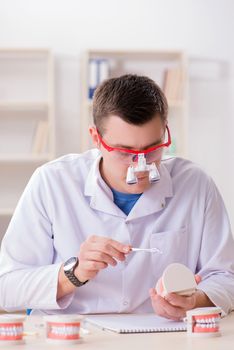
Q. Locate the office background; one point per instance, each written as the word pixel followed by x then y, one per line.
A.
pixel 202 28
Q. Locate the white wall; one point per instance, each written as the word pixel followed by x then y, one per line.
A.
pixel 203 28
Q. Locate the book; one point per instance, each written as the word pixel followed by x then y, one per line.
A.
pixel 41 137
pixel 135 323
pixel 174 84
pixel 93 77
pixel 98 72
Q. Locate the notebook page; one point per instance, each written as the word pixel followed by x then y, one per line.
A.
pixel 140 323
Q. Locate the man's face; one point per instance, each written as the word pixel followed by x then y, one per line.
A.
pixel 121 134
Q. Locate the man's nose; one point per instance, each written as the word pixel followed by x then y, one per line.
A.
pixel 141 173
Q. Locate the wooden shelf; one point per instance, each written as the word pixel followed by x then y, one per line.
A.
pixel 6 211
pixel 24 158
pixel 23 106
pixel 24 53
pixel 27 127
pixel 137 54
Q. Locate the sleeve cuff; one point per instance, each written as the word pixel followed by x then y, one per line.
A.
pixel 217 296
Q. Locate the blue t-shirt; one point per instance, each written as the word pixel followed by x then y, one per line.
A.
pixel 125 201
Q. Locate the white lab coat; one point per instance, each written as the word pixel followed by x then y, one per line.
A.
pixel 66 200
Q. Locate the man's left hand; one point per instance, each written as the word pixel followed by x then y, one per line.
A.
pixel 174 306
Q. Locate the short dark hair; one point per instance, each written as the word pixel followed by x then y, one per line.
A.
pixel 135 99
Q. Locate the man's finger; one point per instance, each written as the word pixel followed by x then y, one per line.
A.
pixel 185 302
pixel 163 308
pixel 107 248
pixel 99 256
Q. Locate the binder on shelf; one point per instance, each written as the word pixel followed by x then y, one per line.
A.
pixel 98 71
pixel 41 137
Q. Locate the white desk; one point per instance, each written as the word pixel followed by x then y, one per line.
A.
pixel 106 340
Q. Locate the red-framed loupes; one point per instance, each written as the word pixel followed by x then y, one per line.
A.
pixel 127 156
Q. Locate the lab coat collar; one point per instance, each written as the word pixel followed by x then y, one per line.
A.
pixel 100 193
pixel 151 201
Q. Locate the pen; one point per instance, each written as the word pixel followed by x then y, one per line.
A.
pixel 148 250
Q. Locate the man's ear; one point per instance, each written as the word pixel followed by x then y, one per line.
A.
pixel 94 136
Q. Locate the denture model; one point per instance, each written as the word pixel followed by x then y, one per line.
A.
pixel 204 321
pixel 11 329
pixel 63 329
pixel 176 278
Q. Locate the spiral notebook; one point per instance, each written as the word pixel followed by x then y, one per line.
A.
pixel 143 323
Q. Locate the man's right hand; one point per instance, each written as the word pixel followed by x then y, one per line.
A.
pixel 96 253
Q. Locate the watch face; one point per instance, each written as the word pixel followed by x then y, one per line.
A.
pixel 70 263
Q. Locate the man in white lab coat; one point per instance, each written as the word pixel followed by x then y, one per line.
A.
pixel 68 246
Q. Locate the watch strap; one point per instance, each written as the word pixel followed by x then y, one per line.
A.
pixel 70 274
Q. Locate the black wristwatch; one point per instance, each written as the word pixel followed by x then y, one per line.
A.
pixel 69 267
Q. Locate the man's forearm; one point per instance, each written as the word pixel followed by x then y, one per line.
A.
pixel 202 299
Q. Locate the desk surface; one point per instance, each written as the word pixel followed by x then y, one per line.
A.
pixel 99 339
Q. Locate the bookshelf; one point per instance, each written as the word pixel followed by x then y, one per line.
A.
pixel 167 68
pixel 27 130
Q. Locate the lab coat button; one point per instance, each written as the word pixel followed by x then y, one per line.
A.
pixel 125 302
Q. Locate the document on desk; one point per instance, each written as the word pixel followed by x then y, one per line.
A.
pixel 135 323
